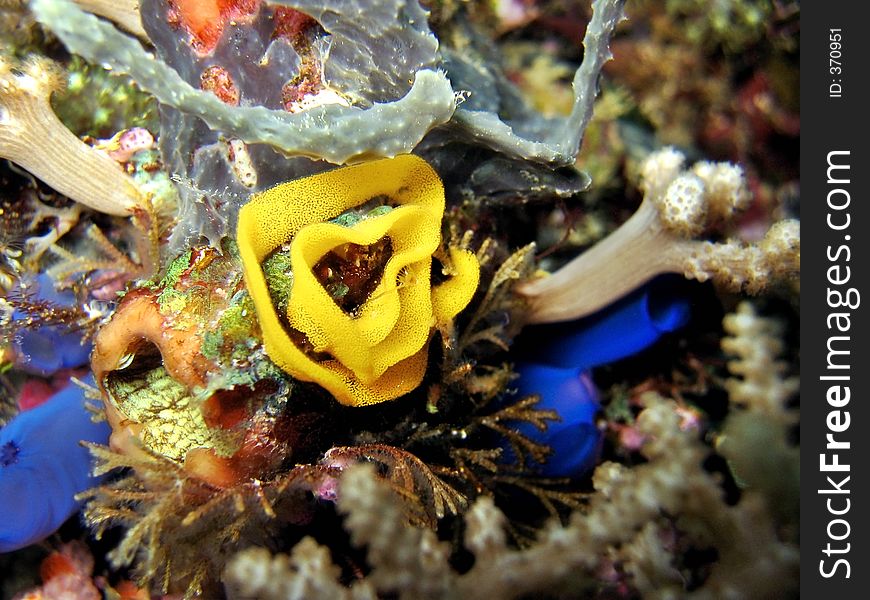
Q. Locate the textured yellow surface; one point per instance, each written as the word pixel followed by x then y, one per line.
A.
pixel 171 421
pixel 379 352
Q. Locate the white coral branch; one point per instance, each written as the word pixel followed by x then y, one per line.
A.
pixel 32 136
pixel 759 381
pixel 408 563
pixel 123 12
pixel 678 205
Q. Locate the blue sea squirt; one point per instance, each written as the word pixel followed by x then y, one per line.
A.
pixel 40 346
pixel 43 466
pixel 555 362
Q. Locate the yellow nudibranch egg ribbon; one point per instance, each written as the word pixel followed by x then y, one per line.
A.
pixel 380 351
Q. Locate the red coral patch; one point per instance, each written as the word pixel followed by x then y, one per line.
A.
pixel 218 81
pixel 205 20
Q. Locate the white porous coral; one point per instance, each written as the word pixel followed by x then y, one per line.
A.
pixel 629 520
pixel 678 205
pixel 32 136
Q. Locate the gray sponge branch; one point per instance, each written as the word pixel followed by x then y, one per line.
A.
pixel 338 134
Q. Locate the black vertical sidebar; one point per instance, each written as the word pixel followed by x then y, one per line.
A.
pixel 835 362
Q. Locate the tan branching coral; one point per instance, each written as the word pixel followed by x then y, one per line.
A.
pixel 123 12
pixel 755 436
pixel 678 205
pixel 427 498
pixel 630 518
pixel 33 137
pixel 179 527
pixel 312 575
pixel 35 214
pixel 759 383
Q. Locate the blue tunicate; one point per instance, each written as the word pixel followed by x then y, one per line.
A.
pixel 46 349
pixel 43 466
pixel 626 327
pixel 555 362
pixel 575 440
